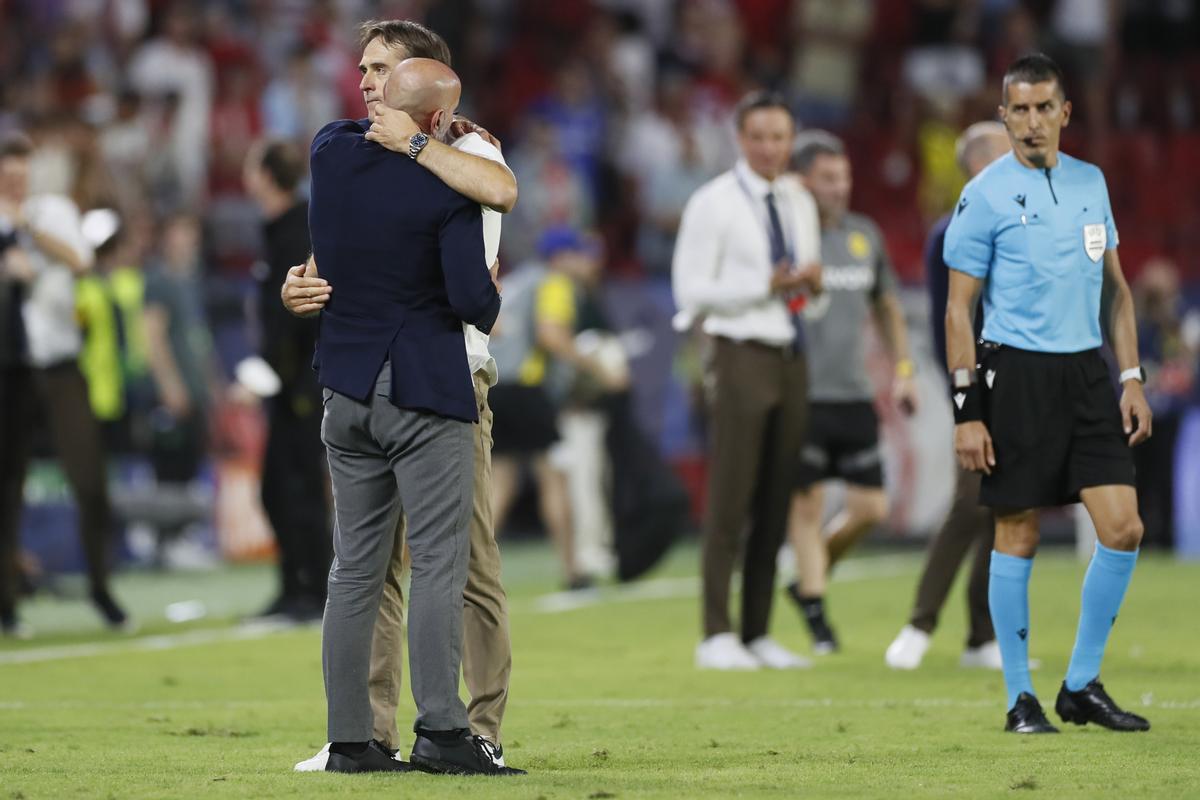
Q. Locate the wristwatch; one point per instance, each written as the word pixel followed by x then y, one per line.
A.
pixel 416 143
pixel 1134 374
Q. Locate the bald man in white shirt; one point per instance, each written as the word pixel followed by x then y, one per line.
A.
pixel 748 247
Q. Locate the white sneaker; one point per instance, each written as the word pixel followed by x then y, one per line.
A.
pixel 772 655
pixel 724 651
pixel 908 649
pixel 316 763
pixel 987 656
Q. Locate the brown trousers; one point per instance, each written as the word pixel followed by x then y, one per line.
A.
pixel 487 653
pixel 62 392
pixel 967 523
pixel 758 413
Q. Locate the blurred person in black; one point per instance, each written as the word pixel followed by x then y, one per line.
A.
pixel 967 522
pixel 179 351
pixel 1169 345
pixel 293 472
pixel 42 251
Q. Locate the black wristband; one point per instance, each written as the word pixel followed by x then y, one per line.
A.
pixel 967 403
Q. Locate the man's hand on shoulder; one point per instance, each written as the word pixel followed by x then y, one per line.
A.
pixel 461 126
pixel 303 293
pixel 392 129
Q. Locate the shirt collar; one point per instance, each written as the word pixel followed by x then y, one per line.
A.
pixel 757 184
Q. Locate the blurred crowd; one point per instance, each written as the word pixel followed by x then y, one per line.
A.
pixel 611 112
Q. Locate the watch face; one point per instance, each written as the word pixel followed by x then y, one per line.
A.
pixel 419 139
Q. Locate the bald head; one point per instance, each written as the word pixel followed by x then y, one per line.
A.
pixel 428 90
pixel 980 145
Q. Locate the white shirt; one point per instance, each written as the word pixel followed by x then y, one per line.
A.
pixel 722 266
pixel 478 357
pixel 49 311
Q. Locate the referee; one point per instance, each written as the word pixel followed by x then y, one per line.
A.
pixel 1034 408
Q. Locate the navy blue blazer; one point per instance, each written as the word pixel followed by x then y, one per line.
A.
pixel 937 279
pixel 404 253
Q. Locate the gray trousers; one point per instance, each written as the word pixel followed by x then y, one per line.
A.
pixel 385 460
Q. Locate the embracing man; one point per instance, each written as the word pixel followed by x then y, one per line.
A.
pixel 399 417
pixel 474 167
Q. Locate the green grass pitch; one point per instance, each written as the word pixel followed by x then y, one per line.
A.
pixel 605 702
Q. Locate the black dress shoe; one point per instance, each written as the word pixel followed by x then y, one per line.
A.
pixel 460 754
pixel 1027 716
pixel 376 758
pixel 1092 704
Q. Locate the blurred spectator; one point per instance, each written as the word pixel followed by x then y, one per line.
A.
pixel 1084 41
pixel 825 69
pixel 179 351
pixel 294 481
pixel 944 66
pixel 525 425
pixel 100 320
pixel 584 365
pixel 671 155
pixel 552 193
pixel 576 113
pixel 173 65
pixel 44 250
pixel 1169 341
pixel 236 123
pixel 295 105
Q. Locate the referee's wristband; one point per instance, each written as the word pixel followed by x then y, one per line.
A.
pixel 968 404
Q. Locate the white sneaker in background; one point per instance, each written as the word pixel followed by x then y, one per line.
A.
pixel 908 649
pixel 724 651
pixel 986 656
pixel 772 655
pixel 316 763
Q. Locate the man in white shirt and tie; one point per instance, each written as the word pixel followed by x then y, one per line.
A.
pixel 748 248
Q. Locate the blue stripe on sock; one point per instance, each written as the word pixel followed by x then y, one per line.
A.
pixel 1104 586
pixel 1008 599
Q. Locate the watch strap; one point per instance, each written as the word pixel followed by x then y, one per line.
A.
pixel 1133 374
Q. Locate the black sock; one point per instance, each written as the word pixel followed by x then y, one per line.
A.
pixel 814 607
pixel 442 737
pixel 351 749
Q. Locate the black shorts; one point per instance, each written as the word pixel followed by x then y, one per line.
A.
pixel 842 442
pixel 524 421
pixel 1055 426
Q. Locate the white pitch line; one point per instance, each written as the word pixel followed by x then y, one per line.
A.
pixel 803 702
pixel 245 632
pixel 674 588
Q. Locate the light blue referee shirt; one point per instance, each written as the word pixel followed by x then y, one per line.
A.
pixel 1037 238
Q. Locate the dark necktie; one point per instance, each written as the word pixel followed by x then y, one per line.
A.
pixel 779 253
pixel 778 245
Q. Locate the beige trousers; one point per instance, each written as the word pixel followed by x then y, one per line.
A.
pixel 487 654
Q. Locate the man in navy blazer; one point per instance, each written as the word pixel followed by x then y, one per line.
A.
pixel 406 253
